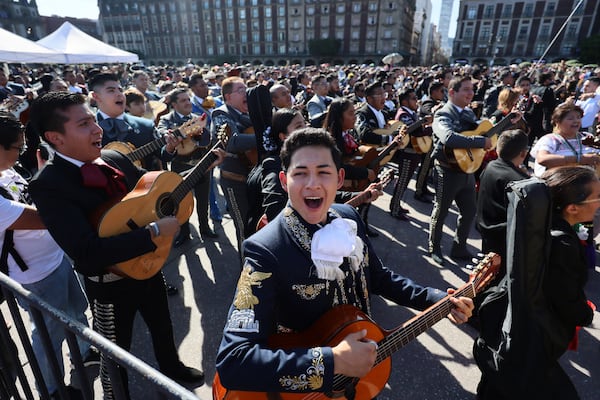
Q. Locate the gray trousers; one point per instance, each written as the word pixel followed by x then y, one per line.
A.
pixel 452 185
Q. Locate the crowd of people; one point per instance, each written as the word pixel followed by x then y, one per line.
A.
pixel 299 140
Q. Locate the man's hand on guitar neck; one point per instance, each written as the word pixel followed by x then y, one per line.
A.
pixel 463 308
pixel 172 142
pixel 355 355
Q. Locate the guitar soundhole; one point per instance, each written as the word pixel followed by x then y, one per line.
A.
pixel 166 206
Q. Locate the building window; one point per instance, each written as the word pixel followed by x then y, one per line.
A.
pixel 539 49
pixel 489 12
pixel 355 34
pixel 256 36
pixel 550 9
pixel 268 24
pixel 341 8
pixel 528 10
pixel 310 22
pixel 324 22
pixel 468 33
pixel 268 36
pixel 356 7
pixel 471 12
pixel 387 34
pixel 256 49
pixel 324 9
pixel 221 50
pixel 355 21
pixel 281 36
pixel 340 22
pixel 281 11
pixel 255 12
pixel 230 14
pixel 281 24
pixel 310 10
pixel 244 37
pixel 242 14
pixel 282 49
pixel 371 34
pixel 485 33
pixel 339 34
pixel 373 6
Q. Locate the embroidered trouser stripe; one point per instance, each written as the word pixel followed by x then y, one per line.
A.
pixel 452 186
pixel 104 324
pixel 423 173
pixel 407 164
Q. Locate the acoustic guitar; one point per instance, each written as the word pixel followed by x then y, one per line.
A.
pixel 339 322
pixel 18 106
pixel 386 177
pixel 469 160
pixel 157 194
pixel 190 130
pixel 370 161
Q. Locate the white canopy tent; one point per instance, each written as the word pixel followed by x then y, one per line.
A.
pixel 17 49
pixel 80 48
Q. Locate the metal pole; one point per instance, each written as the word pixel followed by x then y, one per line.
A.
pixel 562 28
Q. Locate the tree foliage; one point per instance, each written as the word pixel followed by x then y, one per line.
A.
pixel 589 50
pixel 324 47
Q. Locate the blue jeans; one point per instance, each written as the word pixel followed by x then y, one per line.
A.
pixel 62 290
pixel 215 212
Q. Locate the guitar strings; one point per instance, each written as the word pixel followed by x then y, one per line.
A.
pixel 398 339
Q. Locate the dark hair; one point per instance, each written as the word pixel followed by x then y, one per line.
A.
pixel 405 94
pixel 358 85
pixel 543 77
pixel 280 122
pixel 309 137
pixel 457 82
pixel 175 93
pixel 569 184
pixel 101 78
pixel 561 111
pixel 132 95
pixel 47 111
pixel 370 90
pixel 335 117
pixel 435 85
pixel 10 129
pixel 523 78
pixel 511 143
pixel 594 79
pixel 194 78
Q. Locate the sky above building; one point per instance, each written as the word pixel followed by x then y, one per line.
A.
pixel 89 9
pixel 69 8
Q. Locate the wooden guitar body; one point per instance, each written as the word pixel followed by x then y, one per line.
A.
pixel 366 155
pixel 123 148
pixel 146 203
pixel 329 330
pixel 469 160
pixel 421 144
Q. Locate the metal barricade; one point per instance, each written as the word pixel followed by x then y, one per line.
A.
pixel 11 367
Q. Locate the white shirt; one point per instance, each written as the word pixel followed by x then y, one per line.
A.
pixel 36 247
pixel 590 107
pixel 556 144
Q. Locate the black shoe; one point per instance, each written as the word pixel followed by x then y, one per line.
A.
pixel 208 233
pixel 185 374
pixel 437 258
pixel 401 217
pixel 171 290
pixel 461 253
pixel 422 198
pixel 92 357
pixel 181 240
pixel 371 232
pixel 73 394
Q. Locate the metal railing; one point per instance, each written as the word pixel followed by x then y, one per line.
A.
pixel 11 367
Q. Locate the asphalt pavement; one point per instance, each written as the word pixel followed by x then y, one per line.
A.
pixel 436 365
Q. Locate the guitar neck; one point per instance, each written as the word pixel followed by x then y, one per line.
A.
pixel 147 149
pixel 359 199
pixel 384 153
pixel 195 174
pixel 500 126
pixel 403 335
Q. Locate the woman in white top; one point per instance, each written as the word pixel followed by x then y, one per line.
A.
pixel 565 145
